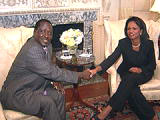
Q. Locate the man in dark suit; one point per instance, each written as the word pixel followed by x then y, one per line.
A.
pixel 28 87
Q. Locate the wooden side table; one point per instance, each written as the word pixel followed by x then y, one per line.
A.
pixel 78 64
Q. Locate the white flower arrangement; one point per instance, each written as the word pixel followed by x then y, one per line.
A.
pixel 71 37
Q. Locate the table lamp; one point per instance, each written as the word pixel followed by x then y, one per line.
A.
pixel 156 8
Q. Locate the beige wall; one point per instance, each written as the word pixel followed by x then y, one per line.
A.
pixel 120 9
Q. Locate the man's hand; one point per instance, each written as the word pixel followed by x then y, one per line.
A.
pixel 93 72
pixel 59 87
pixel 135 70
pixel 85 74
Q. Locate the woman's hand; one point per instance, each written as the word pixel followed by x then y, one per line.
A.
pixel 93 72
pixel 135 70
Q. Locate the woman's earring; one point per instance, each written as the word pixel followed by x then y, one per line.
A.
pixel 140 33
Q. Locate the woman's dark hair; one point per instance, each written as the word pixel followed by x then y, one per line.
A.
pixel 40 22
pixel 141 25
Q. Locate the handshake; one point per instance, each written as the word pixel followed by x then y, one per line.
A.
pixel 87 74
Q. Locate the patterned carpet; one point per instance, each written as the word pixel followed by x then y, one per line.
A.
pixel 84 113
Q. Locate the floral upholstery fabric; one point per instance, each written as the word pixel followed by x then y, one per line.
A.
pixel 114 31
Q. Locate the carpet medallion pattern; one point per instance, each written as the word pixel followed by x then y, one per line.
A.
pixel 79 112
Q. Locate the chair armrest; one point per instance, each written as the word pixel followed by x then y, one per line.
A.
pixel 1 113
pixel 111 70
pixel 112 79
pixel 157 71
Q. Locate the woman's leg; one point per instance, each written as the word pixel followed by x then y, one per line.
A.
pixel 129 82
pixel 118 100
pixel 105 112
pixel 140 106
pixel 124 90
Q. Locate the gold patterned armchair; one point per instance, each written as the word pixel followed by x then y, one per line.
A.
pixel 114 31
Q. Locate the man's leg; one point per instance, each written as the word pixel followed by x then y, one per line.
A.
pixel 49 109
pixel 59 100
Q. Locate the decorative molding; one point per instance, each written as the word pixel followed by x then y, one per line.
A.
pixel 16 7
pixel 44 10
pixel 50 3
pixel 9 5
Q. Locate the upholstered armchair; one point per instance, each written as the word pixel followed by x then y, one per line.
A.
pixel 114 31
pixel 11 40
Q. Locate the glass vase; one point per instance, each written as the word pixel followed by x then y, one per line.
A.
pixel 72 49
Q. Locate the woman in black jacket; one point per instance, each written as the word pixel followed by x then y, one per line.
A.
pixel 137 68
